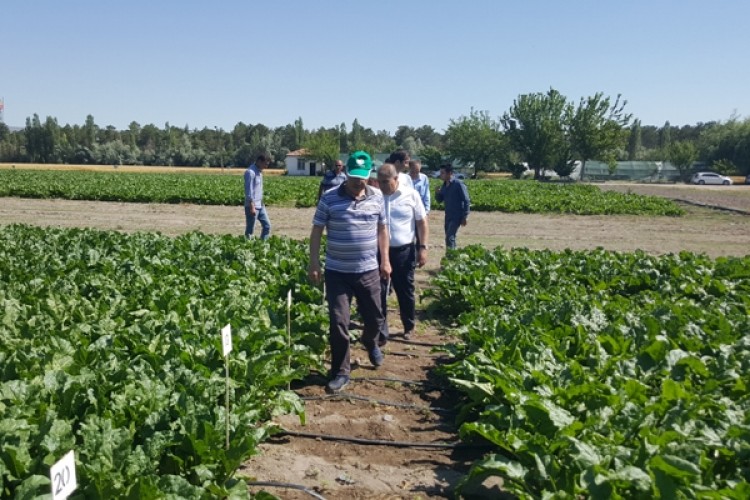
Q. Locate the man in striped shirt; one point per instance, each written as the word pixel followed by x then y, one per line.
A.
pixel 354 217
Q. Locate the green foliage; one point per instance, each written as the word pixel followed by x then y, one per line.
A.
pixel 602 374
pixel 323 146
pixel 597 128
pixel 431 157
pixel 208 189
pixel 682 155
pixel 477 139
pixel 724 167
pixel 536 126
pixel 580 199
pixel 110 344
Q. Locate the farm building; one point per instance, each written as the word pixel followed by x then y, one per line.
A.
pixel 297 163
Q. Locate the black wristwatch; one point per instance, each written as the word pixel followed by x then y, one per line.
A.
pixel 420 247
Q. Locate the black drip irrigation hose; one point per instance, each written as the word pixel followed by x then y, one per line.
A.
pixel 416 342
pixel 346 395
pixel 275 484
pixel 390 379
pixel 383 442
pixel 413 354
pixel 355 339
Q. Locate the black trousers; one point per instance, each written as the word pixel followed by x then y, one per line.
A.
pixel 403 262
pixel 340 288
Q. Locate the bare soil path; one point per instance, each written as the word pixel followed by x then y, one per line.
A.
pixel 344 469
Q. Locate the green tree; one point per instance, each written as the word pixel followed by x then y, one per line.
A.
pixel 682 154
pixel 323 146
pixel 299 134
pixel 535 124
pixel 402 133
pixel 634 141
pixel 477 139
pixel 665 137
pixel 40 140
pixel 728 141
pixel 596 128
pixel 431 157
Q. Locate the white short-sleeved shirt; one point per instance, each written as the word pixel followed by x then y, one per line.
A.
pixel 402 209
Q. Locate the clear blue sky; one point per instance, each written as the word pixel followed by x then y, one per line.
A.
pixel 386 62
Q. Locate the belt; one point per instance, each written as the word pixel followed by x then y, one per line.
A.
pixel 402 247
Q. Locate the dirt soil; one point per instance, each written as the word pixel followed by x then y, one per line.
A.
pixel 404 402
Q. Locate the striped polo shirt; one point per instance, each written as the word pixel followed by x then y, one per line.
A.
pixel 352 226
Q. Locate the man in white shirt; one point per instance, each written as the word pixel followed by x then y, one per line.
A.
pixel 407 223
pixel 400 159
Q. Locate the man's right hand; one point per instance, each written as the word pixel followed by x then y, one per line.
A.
pixel 313 273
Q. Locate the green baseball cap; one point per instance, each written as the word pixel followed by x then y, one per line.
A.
pixel 359 165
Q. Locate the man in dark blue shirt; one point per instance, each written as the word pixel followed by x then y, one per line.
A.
pixel 332 178
pixel 455 197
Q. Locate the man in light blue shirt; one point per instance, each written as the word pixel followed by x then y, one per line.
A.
pixel 254 207
pixel 421 183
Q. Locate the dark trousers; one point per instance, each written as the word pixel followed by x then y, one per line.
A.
pixel 403 262
pixel 340 288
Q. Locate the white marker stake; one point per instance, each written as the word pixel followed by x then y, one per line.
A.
pixel 226 339
pixel 226 342
pixel 289 334
pixel 63 476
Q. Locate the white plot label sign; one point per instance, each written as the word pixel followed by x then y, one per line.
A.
pixel 63 476
pixel 226 339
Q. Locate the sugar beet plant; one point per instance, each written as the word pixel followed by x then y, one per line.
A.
pixel 110 345
pixel 608 375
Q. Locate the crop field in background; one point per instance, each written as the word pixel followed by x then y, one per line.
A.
pixel 487 195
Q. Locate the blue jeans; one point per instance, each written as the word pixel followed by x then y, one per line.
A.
pixel 262 216
pixel 451 229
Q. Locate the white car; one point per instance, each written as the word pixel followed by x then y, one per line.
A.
pixel 710 178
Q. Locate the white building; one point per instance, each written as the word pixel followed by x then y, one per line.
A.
pixel 298 164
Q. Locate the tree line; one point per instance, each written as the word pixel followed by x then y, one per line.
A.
pixel 545 131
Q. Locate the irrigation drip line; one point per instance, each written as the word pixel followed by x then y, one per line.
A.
pixel 399 380
pixel 345 395
pixel 416 342
pixel 714 207
pixel 382 442
pixel 275 484
pixel 355 339
pixel 413 354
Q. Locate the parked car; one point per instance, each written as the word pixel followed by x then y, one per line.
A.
pixel 710 178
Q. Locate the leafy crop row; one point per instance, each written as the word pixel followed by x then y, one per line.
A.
pixel 110 345
pixel 486 195
pixel 578 199
pixel 609 375
pixel 153 188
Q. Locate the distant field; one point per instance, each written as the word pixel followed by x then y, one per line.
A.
pixel 133 169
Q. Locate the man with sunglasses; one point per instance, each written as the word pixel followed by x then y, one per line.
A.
pixel 332 178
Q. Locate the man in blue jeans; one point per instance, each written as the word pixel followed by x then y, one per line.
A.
pixel 455 196
pixel 254 207
pixel 353 215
